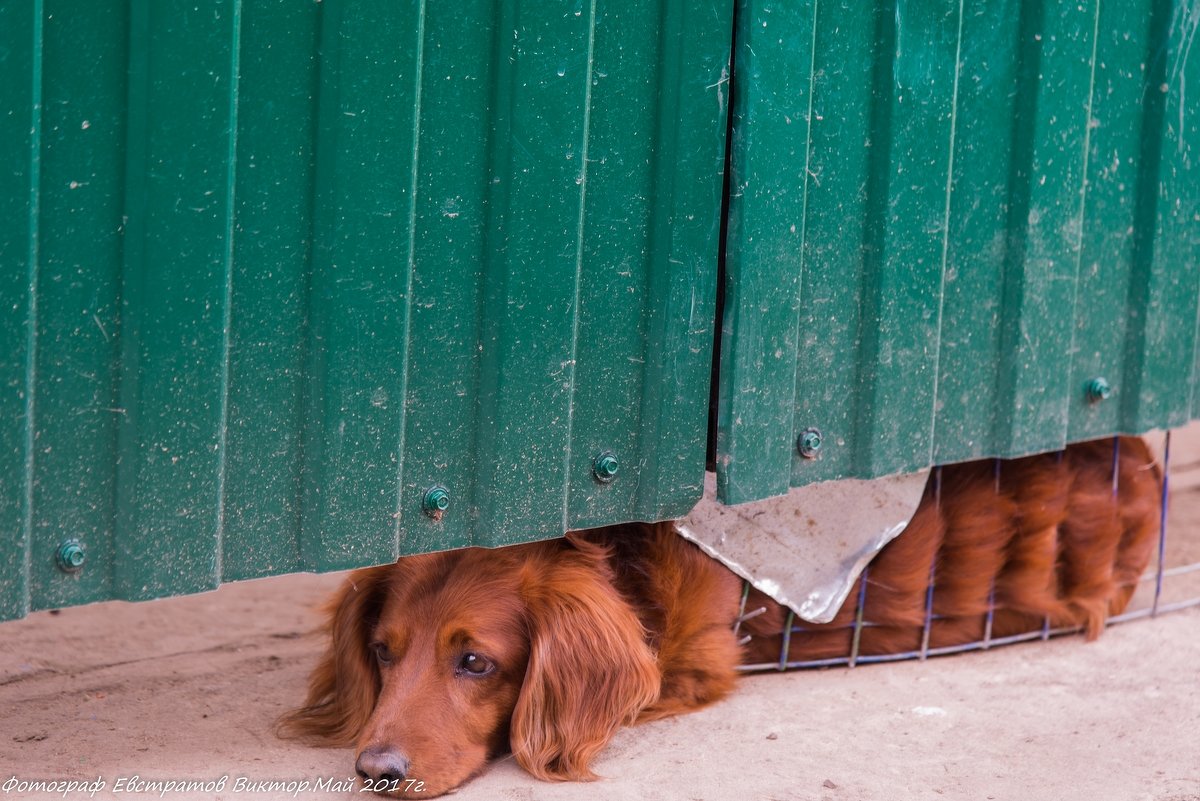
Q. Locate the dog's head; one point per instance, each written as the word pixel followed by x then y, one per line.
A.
pixel 440 662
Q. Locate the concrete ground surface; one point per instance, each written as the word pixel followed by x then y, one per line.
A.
pixel 188 688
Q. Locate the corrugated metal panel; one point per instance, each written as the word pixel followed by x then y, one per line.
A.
pixel 946 219
pixel 275 269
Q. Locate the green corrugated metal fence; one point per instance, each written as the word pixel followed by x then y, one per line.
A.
pixel 271 270
pixel 946 220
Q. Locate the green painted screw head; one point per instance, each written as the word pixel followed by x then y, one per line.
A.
pixel 1098 389
pixel 71 556
pixel 809 443
pixel 605 466
pixel 436 501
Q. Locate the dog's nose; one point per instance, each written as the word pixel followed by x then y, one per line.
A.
pixel 381 764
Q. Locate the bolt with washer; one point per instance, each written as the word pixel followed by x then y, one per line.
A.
pixel 809 443
pixel 605 466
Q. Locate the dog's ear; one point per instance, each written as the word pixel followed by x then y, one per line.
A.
pixel 344 686
pixel 590 670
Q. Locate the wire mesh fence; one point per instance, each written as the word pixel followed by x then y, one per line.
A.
pixel 1172 583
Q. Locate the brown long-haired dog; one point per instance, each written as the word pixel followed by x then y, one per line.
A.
pixel 440 662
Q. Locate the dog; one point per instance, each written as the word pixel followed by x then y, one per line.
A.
pixel 441 662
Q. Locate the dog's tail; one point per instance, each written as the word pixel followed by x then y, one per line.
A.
pixel 1009 547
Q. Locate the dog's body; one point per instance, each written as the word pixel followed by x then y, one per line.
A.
pixel 440 662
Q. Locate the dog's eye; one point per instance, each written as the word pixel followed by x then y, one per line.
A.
pixel 475 665
pixel 382 652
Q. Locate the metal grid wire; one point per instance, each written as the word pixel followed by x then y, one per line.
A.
pixel 1148 601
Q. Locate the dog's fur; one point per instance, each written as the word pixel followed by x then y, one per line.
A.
pixel 631 622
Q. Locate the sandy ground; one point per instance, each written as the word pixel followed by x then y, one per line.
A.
pixel 188 688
